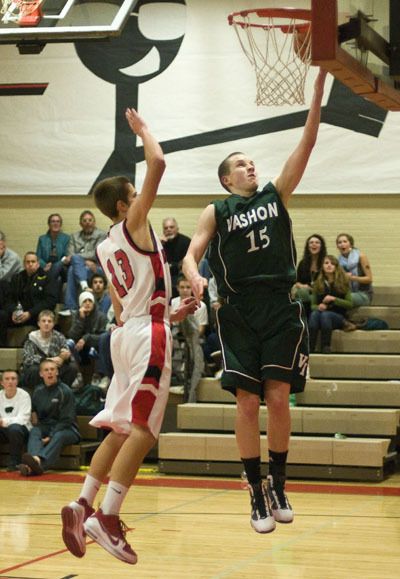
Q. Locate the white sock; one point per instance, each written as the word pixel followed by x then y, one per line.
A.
pixel 90 489
pixel 113 498
pixel 84 285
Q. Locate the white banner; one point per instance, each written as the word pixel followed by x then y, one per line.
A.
pixel 183 68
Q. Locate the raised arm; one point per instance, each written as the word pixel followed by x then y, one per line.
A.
pixel 294 167
pixel 154 158
pixel 205 231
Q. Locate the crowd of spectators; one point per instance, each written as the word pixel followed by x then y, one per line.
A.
pixel 63 281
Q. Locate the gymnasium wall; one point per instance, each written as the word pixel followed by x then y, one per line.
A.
pixel 373 220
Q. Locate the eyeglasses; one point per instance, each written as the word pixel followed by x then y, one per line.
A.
pixel 9 409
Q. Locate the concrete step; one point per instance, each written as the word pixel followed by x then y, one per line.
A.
pixel 359 366
pixel 364 342
pixel 351 393
pixel 391 314
pixel 314 420
pixel 331 392
pixel 386 296
pixel 184 446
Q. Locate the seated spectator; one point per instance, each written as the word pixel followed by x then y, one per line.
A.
pixel 330 300
pixel 309 267
pixel 98 285
pixel 46 343
pixel 193 328
pixel 54 422
pixel 4 314
pixel 31 292
pixel 175 245
pixel 15 417
pixel 52 249
pixel 86 326
pixel 10 262
pixel 212 345
pixel 103 367
pixel 81 259
pixel 357 268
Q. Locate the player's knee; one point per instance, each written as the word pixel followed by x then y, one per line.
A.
pixel 248 404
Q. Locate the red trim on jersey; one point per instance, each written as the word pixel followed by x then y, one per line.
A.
pixel 157 311
pixel 142 406
pixel 151 380
pixel 143 402
pixel 133 244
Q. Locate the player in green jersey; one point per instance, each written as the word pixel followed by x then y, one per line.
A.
pixel 262 330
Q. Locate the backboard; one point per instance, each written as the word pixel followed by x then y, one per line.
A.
pixel 358 41
pixel 62 21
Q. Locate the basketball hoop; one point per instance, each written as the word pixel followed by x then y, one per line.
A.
pixel 277 42
pixel 24 12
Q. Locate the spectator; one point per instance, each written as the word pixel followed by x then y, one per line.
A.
pixel 212 345
pixel 82 259
pixel 193 329
pixel 308 269
pixel 357 268
pixel 86 326
pixel 331 298
pixel 175 245
pixel 10 262
pixel 31 292
pixel 4 315
pixel 15 417
pixel 98 285
pixel 52 249
pixel 103 369
pixel 46 343
pixel 54 422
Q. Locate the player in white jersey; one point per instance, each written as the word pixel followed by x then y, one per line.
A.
pixel 140 287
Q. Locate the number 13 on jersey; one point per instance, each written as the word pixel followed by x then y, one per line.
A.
pixel 123 278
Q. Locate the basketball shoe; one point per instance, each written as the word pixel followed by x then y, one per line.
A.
pixel 261 519
pixel 73 516
pixel 109 532
pixel 281 509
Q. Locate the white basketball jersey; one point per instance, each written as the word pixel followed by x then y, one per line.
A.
pixel 141 279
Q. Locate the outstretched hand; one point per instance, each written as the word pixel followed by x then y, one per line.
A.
pixel 186 307
pixel 135 122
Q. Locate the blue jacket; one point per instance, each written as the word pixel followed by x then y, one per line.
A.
pixel 44 247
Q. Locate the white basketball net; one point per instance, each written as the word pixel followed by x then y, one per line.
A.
pixel 273 46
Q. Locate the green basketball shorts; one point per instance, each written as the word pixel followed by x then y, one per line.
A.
pixel 263 337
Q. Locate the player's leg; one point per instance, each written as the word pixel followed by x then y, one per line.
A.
pixel 247 433
pixel 75 513
pixel 279 426
pixel 105 526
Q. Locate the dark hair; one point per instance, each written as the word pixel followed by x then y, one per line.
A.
pixel 108 192
pixel 54 215
pixel 225 167
pixel 307 255
pixel 181 277
pixel 31 253
pixel 86 212
pixel 100 275
pixel 9 370
pixel 349 237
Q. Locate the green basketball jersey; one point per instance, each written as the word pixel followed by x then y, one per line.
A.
pixel 254 244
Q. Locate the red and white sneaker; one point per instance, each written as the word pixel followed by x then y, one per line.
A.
pixel 109 532
pixel 73 516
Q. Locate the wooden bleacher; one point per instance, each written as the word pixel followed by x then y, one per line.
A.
pixel 345 425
